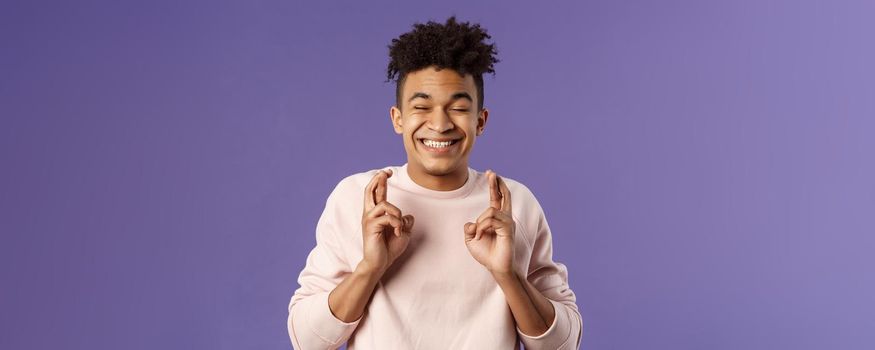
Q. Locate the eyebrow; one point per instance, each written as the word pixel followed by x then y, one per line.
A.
pixel 455 96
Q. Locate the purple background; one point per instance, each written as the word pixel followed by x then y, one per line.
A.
pixel 706 167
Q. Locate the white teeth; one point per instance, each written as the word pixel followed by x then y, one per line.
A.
pixel 436 144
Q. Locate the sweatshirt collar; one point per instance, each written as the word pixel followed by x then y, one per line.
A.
pixel 404 181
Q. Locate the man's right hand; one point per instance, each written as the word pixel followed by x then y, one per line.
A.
pixel 385 231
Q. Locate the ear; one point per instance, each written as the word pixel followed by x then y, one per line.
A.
pixel 481 121
pixel 395 115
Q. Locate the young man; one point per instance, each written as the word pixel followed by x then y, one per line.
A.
pixel 434 254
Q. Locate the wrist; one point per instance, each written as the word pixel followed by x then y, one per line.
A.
pixel 504 278
pixel 369 271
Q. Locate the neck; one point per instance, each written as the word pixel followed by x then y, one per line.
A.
pixel 446 182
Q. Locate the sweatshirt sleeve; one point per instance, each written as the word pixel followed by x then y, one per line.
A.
pixel 311 324
pixel 551 279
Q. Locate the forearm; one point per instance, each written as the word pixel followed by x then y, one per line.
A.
pixel 348 300
pixel 532 311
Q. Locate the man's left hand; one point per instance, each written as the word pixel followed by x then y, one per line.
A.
pixel 490 240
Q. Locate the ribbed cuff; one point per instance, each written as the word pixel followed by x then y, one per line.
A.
pixel 555 336
pixel 316 316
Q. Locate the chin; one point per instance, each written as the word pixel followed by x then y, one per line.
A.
pixel 438 167
pixel 439 170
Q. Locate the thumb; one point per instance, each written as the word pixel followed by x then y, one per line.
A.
pixel 470 230
pixel 408 223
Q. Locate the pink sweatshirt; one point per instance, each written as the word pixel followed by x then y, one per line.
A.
pixel 435 295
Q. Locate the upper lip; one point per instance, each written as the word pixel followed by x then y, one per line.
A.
pixel 437 139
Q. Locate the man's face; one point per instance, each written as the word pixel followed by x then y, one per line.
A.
pixel 438 106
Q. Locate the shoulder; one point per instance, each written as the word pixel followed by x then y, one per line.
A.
pixel 527 210
pixel 343 206
pixel 522 198
pixel 354 184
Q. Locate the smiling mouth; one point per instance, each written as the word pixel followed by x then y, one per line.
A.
pixel 438 147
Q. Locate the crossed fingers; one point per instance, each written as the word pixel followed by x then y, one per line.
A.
pixel 381 211
pixel 498 214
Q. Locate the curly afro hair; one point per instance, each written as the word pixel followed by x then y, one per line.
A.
pixel 454 45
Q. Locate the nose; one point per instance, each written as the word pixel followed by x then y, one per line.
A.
pixel 440 122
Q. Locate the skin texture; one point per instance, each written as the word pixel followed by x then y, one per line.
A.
pixel 441 113
pixel 439 116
